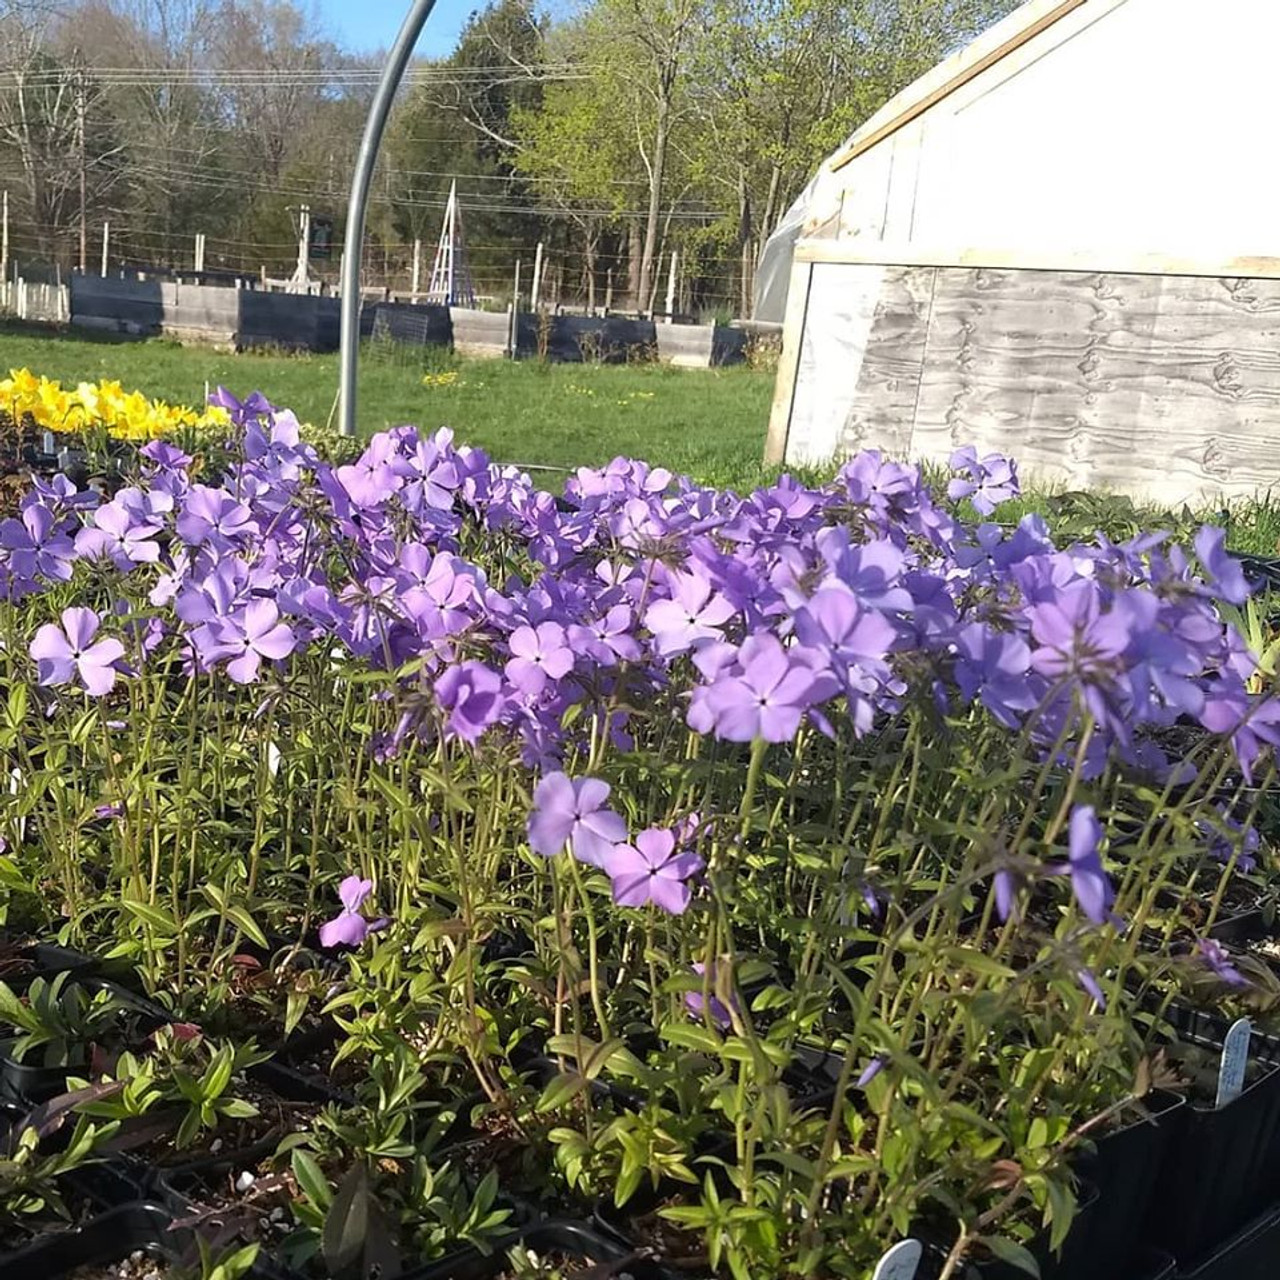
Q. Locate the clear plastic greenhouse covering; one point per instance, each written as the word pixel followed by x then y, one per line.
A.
pixel 773 276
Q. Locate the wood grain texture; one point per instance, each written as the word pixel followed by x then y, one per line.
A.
pixel 884 404
pixel 1166 388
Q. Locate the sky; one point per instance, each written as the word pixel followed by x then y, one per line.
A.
pixel 364 26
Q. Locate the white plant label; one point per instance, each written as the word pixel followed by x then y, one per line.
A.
pixel 1235 1057
pixel 901 1262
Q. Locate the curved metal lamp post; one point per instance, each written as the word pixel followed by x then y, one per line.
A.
pixel 358 206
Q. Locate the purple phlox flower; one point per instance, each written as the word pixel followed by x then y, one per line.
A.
pixel 1229 839
pixel 879 484
pixel 119 536
pixel 164 456
pixel 766 696
pixel 995 666
pixel 872 898
pixel 433 480
pixel 349 928
pixel 855 642
pixel 60 494
pixel 539 655
pixel 472 694
pixel 214 596
pixel 1077 638
pixel 62 653
pixel 375 476
pixel 441 595
pixel 871 570
pixel 1219 960
pixel 37 547
pixel 572 811
pixel 213 516
pixel 246 637
pixel 1090 883
pixel 986 481
pixel 718 1011
pixel 1164 673
pixel 104 811
pixel 147 506
pixel 1254 724
pixel 1007 884
pixel 690 828
pixel 639 523
pixel 255 405
pixel 871 1070
pixel 607 640
pixel 651 870
pixel 1224 570
pixel 1089 983
pixel 694 612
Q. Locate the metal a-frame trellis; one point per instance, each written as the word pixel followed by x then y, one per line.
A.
pixel 451 275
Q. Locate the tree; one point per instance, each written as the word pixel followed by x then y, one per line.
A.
pixel 49 122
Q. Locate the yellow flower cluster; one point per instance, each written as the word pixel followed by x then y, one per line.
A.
pixel 447 379
pixel 125 415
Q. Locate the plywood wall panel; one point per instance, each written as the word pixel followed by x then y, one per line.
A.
pixel 1164 387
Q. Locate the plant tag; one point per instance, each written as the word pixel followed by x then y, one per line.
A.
pixel 901 1262
pixel 1235 1056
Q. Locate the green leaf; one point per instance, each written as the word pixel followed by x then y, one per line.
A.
pixel 1013 1253
pixel 563 1089
pixel 157 917
pixel 310 1178
pixel 692 1036
pixel 346 1225
pixel 218 1074
pixel 247 925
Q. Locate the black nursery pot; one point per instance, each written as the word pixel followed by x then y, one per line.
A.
pixel 1148 1264
pixel 110 1238
pixel 170 1182
pixel 571 1239
pixel 1251 1254
pixel 1222 1167
pixel 1074 1262
pixel 1124 1168
pixel 29 1083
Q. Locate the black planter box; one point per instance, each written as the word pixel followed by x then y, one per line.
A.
pixel 28 1083
pixel 1124 1167
pixel 573 1239
pixel 1222 1168
pixel 111 1238
pixel 1252 1254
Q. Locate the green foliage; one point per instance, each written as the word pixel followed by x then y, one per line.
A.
pixel 58 1017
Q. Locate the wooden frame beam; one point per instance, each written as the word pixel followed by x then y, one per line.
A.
pixel 1091 261
pixel 956 82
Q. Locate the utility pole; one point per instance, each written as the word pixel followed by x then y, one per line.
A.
pixel 537 278
pixel 417 271
pixel 200 253
pixel 671 288
pixel 81 110
pixel 4 242
pixel 301 280
pixel 106 245
pixel 513 336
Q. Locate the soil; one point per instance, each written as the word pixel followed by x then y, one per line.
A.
pixel 663 1239
pixel 137 1266
pixel 276 1117
pixel 568 1267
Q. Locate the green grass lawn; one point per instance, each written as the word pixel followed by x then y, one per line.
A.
pixel 707 423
